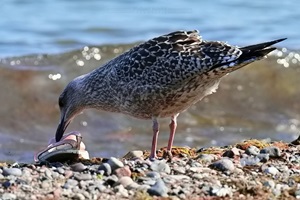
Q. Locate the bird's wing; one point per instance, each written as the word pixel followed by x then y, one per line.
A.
pixel 172 58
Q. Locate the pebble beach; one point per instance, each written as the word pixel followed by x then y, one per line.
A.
pixel 253 169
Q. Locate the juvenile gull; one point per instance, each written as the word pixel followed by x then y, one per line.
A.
pixel 158 78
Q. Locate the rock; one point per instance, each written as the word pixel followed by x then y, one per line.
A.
pixel 78 167
pixel 158 189
pixel 125 181
pixel 269 184
pixel 68 174
pixel 160 166
pixel 123 171
pixel 180 170
pixel 70 183
pixel 134 155
pixel 271 170
pixel 248 161
pixel 82 177
pixel 263 157
pixel 6 184
pixel 78 196
pixel 120 190
pixel 273 151
pixel 8 196
pixel 231 153
pixel 221 191
pixel 106 168
pixel 60 170
pixel 252 150
pixel 223 165
pixel 12 171
pixel 208 158
pixel 26 188
pixel 111 180
pixel 154 175
pixel 115 163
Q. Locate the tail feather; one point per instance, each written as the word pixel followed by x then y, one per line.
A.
pixel 258 50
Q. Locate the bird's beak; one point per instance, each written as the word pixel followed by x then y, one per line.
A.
pixel 61 129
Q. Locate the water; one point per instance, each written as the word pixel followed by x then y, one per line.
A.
pixel 45 44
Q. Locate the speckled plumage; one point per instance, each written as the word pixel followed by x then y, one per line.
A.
pixel 159 78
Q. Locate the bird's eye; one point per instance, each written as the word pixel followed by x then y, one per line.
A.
pixel 60 102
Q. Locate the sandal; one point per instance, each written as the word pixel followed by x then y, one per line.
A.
pixel 68 149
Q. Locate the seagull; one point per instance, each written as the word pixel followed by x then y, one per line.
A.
pixel 159 78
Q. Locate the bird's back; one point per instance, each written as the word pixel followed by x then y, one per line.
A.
pixel 167 74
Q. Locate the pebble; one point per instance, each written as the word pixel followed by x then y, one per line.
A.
pixel 106 168
pixel 160 166
pixel 273 151
pixel 248 161
pixel 12 171
pixel 115 163
pixel 182 178
pixel 271 170
pixel 78 196
pixel 252 150
pixel 78 167
pixel 158 189
pixel 125 181
pixel 134 154
pixel 208 158
pixel 232 152
pixel 154 175
pixel 263 157
pixel 223 165
pixel 8 196
pixel 269 184
pixel 123 171
pixel 70 183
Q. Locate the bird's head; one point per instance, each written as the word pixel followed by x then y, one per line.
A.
pixel 71 103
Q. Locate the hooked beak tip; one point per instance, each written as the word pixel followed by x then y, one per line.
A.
pixel 61 129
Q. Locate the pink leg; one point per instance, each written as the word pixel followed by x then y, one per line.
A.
pixel 173 125
pixel 154 140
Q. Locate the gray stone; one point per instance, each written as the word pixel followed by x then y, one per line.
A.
pixel 160 166
pixel 180 170
pixel 82 177
pixel 78 167
pixel 271 170
pixel 26 188
pixel 134 154
pixel 154 175
pixel 248 161
pixel 125 181
pixel 223 165
pixel 263 157
pixel 106 168
pixel 120 190
pixel 8 196
pixel 115 163
pixel 70 183
pixel 158 189
pixel 60 170
pixel 252 150
pixel 78 196
pixel 273 151
pixel 221 191
pixel 269 184
pixel 12 171
pixel 208 158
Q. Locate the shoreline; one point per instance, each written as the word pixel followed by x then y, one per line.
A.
pixel 253 169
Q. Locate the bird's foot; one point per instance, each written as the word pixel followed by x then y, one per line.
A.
pixel 167 154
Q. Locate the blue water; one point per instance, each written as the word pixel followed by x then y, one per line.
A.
pixel 56 26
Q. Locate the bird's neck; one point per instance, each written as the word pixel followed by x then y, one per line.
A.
pixel 98 92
